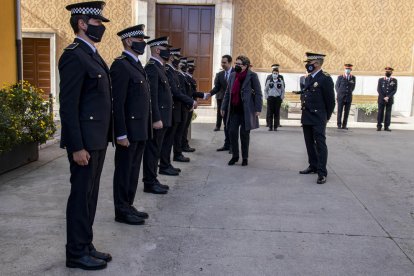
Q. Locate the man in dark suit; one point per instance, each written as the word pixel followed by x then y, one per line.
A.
pixel 131 121
pixel 387 87
pixel 275 70
pixel 345 85
pixel 220 86
pixel 86 118
pixel 186 66
pixel 318 103
pixel 161 107
pixel 180 101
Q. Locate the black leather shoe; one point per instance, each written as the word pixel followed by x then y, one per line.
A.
pixel 155 189
pixel 344 127
pixel 308 170
pixel 223 148
pixel 165 187
pixel 339 127
pixel 387 129
pixel 378 129
pixel 270 129
pixel 101 255
pixel 138 213
pixel 129 219
pixel 181 158
pixel 275 129
pixel 233 161
pixel 217 129
pixel 188 149
pixel 244 162
pixel 168 171
pixel 86 262
pixel 175 169
pixel 321 179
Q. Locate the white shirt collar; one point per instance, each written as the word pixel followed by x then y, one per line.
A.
pixel 131 55
pixel 229 71
pixel 170 65
pixel 90 45
pixel 154 58
pixel 314 74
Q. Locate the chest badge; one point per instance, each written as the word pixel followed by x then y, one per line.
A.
pixel 392 83
pixel 316 84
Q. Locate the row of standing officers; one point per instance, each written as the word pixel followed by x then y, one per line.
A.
pixel 144 110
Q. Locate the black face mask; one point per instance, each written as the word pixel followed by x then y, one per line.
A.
pixel 237 68
pixel 191 70
pixel 388 75
pixel 95 33
pixel 165 54
pixel 310 67
pixel 184 68
pixel 138 47
pixel 175 63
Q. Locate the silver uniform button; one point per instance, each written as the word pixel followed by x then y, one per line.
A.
pixel 141 81
pixel 99 76
pixel 91 117
pixel 132 117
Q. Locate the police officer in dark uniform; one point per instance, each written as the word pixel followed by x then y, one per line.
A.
pixel 275 70
pixel 180 101
pixel 131 122
pixel 161 107
pixel 187 68
pixel 345 85
pixel 318 103
pixel 86 118
pixel 387 87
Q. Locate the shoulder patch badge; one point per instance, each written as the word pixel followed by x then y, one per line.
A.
pixel 72 46
pixel 326 74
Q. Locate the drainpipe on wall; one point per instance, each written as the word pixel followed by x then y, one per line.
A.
pixel 19 42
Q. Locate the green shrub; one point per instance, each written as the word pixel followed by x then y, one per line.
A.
pixel 285 105
pixel 367 108
pixel 24 116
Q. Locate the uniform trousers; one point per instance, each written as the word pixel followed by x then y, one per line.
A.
pixel 184 140
pixel 81 206
pixel 179 135
pixel 237 124
pixel 315 141
pixel 387 121
pixel 126 175
pixel 343 106
pixel 166 148
pixel 273 107
pixel 152 154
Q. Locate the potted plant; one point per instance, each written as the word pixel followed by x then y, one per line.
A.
pixel 25 121
pixel 366 112
pixel 284 110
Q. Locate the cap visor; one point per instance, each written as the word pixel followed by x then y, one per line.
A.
pixel 104 19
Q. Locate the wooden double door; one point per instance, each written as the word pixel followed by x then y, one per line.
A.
pixel 191 28
pixel 36 63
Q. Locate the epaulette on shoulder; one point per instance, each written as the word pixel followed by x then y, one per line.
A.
pixel 120 57
pixel 150 62
pixel 326 74
pixel 72 46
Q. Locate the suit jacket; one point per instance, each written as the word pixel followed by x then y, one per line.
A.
pixel 161 98
pixel 251 96
pixel 85 99
pixel 387 89
pixel 220 84
pixel 132 96
pixel 344 88
pixel 318 99
pixel 180 98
